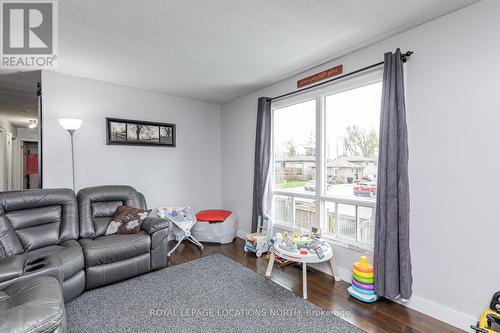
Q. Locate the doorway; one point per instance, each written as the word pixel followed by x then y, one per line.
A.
pixel 20 131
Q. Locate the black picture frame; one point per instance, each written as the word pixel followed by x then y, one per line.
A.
pixel 139 133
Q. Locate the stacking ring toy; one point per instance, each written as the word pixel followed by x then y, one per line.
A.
pixel 362 280
pixel 362 285
pixel 363 274
pixel 362 291
pixel 363 266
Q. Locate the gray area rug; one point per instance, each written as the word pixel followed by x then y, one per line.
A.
pixel 211 294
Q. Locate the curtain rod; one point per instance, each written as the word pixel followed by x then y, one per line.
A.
pixel 404 58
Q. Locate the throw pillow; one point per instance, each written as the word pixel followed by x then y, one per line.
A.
pixel 127 220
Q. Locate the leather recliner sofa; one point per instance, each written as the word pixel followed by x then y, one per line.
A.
pixel 112 258
pixel 38 236
pixel 49 237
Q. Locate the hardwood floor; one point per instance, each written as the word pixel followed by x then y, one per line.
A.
pixel 381 316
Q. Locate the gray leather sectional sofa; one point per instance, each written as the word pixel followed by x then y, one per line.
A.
pixel 52 238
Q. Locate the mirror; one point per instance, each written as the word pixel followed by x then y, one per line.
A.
pixel 20 122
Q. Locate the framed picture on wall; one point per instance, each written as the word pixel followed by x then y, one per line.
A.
pixel 136 132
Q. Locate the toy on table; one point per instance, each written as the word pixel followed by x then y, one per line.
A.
pixel 489 321
pixel 362 287
pixel 301 243
pixel 316 232
pixel 259 242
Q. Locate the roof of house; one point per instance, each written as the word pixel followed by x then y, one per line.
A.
pixel 357 159
pixel 341 162
pixel 299 158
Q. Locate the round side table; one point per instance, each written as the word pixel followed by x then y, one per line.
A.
pixel 294 255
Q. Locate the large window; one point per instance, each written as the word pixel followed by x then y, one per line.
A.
pixel 325 154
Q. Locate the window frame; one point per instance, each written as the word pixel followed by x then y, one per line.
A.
pixel 320 196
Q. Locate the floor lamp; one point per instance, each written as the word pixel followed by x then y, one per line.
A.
pixel 71 125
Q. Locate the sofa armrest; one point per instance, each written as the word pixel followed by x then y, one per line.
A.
pixel 11 268
pixel 35 305
pixel 16 268
pixel 152 224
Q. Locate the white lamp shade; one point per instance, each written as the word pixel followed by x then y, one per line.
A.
pixel 70 124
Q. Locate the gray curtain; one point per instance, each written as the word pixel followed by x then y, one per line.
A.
pixel 391 251
pixel 262 158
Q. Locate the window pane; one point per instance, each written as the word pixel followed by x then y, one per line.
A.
pixel 366 222
pixel 305 214
pixel 294 139
pixel 330 218
pixel 355 223
pixel 347 222
pixel 352 134
pixel 283 210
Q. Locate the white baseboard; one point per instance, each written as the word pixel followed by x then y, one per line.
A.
pixel 241 234
pixel 420 304
pixel 440 312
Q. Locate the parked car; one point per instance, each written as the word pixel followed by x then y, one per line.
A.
pixel 369 179
pixel 311 186
pixel 367 189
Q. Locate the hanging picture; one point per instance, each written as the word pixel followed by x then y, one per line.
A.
pixel 135 132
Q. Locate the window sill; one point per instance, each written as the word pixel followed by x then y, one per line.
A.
pixel 366 250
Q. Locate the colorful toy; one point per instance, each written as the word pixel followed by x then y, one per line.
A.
pixel 362 287
pixel 259 242
pixel 489 321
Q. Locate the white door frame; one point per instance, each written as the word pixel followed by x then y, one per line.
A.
pixel 2 158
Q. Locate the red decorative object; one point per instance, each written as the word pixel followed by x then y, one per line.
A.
pixel 213 215
pixel 32 164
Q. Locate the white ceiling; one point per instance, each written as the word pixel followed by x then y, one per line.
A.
pixel 18 100
pixel 217 50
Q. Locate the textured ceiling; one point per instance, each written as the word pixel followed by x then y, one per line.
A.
pixel 217 50
pixel 18 100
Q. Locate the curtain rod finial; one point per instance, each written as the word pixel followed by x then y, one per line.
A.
pixel 406 55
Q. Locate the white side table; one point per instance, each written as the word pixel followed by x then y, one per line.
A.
pixel 294 255
pixel 182 224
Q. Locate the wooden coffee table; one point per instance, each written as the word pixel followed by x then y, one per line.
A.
pixel 294 255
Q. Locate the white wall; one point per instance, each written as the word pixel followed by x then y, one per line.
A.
pixel 7 125
pixel 453 118
pixel 186 175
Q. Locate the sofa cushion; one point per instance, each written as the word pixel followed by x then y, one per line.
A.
pixel 70 252
pixel 102 213
pixel 96 202
pixel 33 219
pixel 9 242
pixel 127 220
pixel 35 305
pixel 11 267
pixel 4 301
pixel 108 249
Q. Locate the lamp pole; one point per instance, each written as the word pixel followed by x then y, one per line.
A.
pixel 71 133
pixel 71 125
